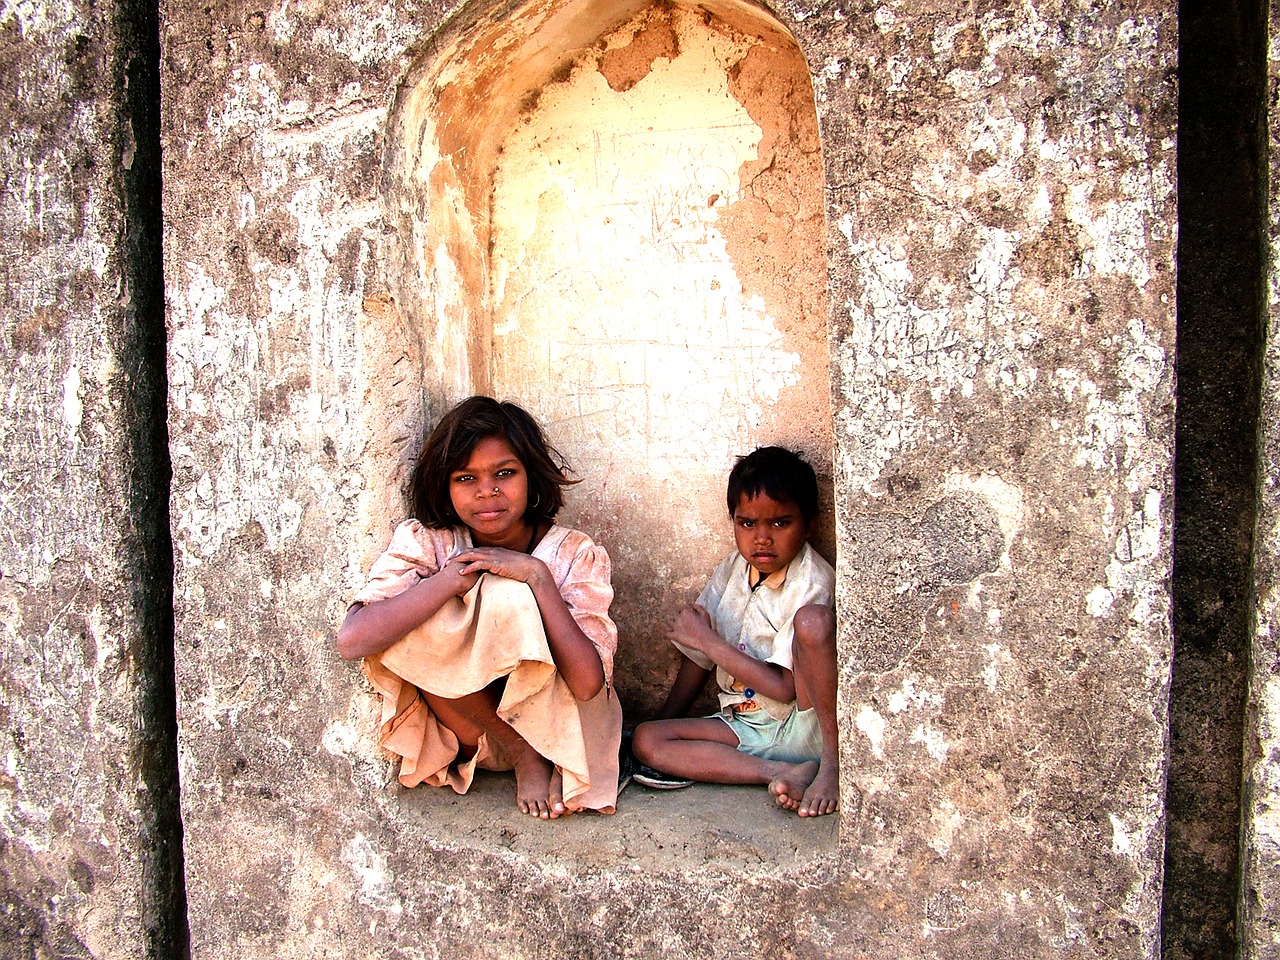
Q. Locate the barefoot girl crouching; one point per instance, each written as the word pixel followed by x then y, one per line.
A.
pixel 485 626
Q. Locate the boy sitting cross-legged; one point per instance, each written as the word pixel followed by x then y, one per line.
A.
pixel 765 624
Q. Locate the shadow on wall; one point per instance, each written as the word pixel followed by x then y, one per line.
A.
pixel 613 214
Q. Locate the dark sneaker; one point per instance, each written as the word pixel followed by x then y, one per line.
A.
pixel 627 762
pixel 657 780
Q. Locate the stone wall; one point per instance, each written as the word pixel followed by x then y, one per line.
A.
pixel 998 200
pixel 999 249
pixel 90 845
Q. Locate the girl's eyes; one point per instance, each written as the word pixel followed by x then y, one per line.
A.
pixel 471 477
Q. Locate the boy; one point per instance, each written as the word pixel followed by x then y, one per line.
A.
pixel 765 624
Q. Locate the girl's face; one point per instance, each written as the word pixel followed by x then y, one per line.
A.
pixel 490 493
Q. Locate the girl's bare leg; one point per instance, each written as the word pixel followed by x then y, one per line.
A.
pixel 817 792
pixel 476 714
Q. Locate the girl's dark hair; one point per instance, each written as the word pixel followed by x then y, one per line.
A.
pixel 778 472
pixel 449 447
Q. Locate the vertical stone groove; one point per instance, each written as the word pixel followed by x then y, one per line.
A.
pixel 1221 306
pixel 143 355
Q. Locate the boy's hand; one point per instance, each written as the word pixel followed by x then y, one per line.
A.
pixel 692 628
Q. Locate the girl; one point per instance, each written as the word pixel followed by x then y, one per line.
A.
pixel 485 626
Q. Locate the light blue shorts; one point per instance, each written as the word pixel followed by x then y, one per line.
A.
pixel 793 740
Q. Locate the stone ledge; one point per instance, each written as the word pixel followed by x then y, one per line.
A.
pixel 705 827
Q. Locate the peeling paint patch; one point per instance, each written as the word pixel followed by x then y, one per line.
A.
pixel 946 821
pixel 1121 843
pixel 1004 499
pixel 933 741
pixel 908 697
pixel 372 871
pixel 871 725
pixel 72 407
pixel 997 656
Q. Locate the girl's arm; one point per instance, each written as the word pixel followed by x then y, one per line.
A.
pixel 371 628
pixel 692 628
pixel 574 654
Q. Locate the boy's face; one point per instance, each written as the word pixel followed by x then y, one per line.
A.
pixel 768 532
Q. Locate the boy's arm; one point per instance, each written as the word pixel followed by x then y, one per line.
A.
pixel 684 689
pixel 692 628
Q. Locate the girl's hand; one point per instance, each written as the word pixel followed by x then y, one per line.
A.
pixel 692 628
pixel 510 564
pixel 453 570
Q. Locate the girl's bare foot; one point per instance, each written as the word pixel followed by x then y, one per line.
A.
pixel 790 788
pixel 538 786
pixel 555 796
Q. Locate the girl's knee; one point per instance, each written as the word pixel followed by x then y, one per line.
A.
pixel 815 625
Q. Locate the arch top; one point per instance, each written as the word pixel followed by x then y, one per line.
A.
pixel 488 68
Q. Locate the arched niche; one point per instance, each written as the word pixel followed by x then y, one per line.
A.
pixel 612 213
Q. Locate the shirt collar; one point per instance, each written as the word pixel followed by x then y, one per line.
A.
pixel 774 581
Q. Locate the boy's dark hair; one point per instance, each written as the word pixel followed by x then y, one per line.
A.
pixel 450 444
pixel 778 472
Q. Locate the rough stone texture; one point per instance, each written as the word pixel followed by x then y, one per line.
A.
pixel 1260 860
pixel 90 855
pixel 1003 205
pixel 1000 252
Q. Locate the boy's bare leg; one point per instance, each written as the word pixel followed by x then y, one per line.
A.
pixel 477 713
pixel 706 749
pixel 814 660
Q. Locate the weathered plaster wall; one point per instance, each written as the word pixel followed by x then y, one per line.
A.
pixel 621 227
pixel 999 253
pixel 658 287
pixel 1004 207
pixel 90 858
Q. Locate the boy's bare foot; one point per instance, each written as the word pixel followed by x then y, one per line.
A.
pixel 534 794
pixel 807 789
pixel 822 796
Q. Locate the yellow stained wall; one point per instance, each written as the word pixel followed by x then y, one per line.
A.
pixel 631 245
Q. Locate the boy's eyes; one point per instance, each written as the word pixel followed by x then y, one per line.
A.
pixel 781 523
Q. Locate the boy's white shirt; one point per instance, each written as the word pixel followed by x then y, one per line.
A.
pixel 760 622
